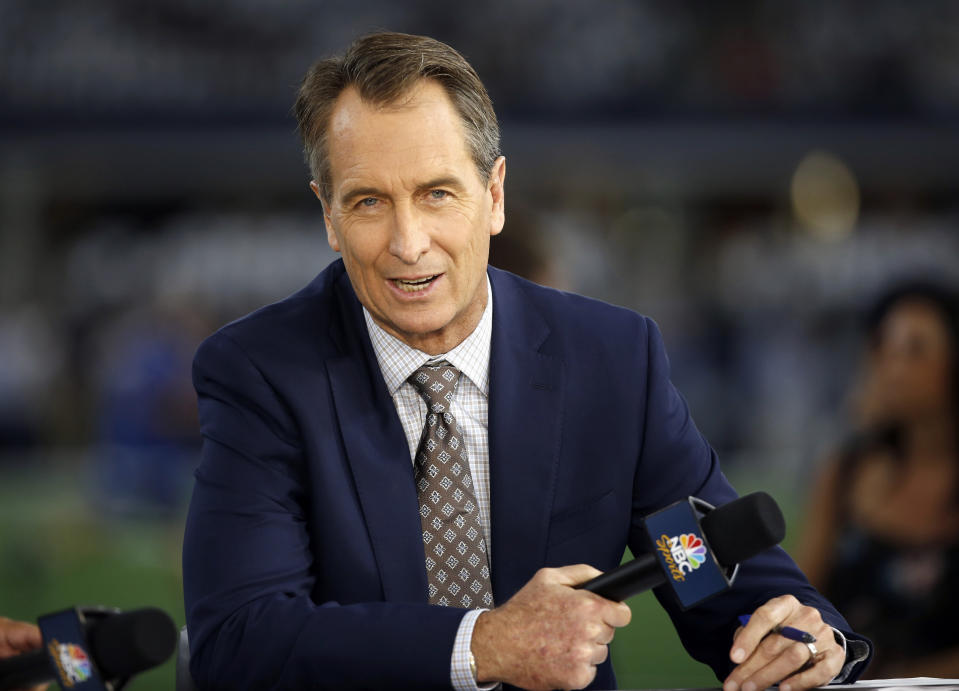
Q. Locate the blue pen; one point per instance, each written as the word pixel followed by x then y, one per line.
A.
pixel 789 632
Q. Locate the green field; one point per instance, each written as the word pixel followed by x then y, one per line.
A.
pixel 57 551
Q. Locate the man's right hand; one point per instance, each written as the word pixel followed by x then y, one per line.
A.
pixel 549 635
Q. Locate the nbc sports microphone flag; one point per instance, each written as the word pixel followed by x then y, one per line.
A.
pixel 691 568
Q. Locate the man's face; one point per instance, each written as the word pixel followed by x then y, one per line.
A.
pixel 411 216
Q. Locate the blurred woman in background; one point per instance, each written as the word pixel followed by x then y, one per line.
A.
pixel 882 528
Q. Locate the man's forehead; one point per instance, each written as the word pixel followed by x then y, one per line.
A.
pixel 365 140
pixel 425 94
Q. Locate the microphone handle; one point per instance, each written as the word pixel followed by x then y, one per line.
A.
pixel 642 573
pixel 24 671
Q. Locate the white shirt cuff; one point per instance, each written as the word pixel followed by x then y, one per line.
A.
pixel 460 674
pixel 854 651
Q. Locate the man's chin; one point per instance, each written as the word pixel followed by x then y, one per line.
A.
pixel 421 330
pixel 413 330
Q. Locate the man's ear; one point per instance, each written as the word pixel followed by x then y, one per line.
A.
pixel 330 233
pixel 497 181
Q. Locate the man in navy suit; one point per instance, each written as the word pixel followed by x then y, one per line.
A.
pixel 304 550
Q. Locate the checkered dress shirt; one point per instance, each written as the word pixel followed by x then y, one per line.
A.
pixel 470 407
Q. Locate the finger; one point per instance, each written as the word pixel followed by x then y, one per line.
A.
pixel 5 648
pixel 18 636
pixel 583 678
pixel 768 650
pixel 760 624
pixel 819 674
pixel 573 574
pixel 605 635
pixel 617 614
pixel 600 654
pixel 26 637
pixel 790 659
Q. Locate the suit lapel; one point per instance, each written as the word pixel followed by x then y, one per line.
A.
pixel 525 419
pixel 378 454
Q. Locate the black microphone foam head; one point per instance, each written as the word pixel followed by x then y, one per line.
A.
pixel 743 528
pixel 132 642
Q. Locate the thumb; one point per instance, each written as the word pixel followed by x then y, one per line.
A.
pixel 575 574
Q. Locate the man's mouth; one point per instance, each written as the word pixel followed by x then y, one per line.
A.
pixel 414 285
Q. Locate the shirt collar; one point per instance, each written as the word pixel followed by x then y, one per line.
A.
pixel 398 361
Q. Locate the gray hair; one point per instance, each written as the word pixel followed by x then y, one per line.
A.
pixel 383 67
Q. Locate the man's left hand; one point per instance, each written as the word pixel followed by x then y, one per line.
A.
pixel 764 658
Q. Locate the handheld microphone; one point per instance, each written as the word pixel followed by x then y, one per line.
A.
pixel 697 548
pixel 93 649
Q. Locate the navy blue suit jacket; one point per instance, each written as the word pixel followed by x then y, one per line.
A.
pixel 303 560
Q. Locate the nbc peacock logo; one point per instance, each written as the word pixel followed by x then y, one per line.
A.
pixel 683 554
pixel 72 662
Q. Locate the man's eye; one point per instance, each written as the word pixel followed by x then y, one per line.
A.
pixel 438 194
pixel 368 201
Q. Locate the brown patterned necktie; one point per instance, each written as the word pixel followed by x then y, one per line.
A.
pixel 457 564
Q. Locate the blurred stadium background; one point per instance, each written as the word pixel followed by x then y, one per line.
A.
pixel 750 174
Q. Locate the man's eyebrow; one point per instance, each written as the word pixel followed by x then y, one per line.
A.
pixel 354 192
pixel 445 181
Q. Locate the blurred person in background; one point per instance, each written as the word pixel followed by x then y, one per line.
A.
pixel 882 526
pixel 522 250
pixel 17 638
pixel 146 413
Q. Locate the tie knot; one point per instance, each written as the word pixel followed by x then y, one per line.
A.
pixel 436 384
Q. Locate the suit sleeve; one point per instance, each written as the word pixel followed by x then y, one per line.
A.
pixel 248 569
pixel 676 462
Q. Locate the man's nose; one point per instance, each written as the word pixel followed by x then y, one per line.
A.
pixel 409 240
